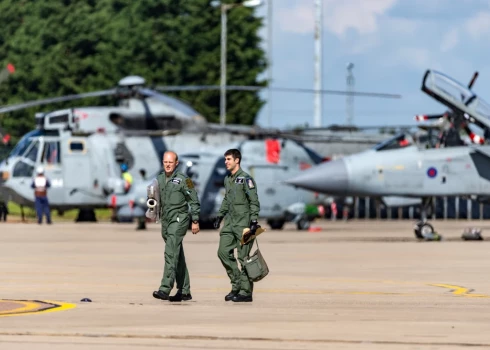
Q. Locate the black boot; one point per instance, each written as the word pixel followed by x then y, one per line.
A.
pixel 180 297
pixel 242 298
pixel 230 295
pixel 160 295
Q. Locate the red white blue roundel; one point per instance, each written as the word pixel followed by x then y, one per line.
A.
pixel 432 172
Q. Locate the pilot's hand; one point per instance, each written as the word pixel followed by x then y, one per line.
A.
pixel 195 227
pixel 254 225
pixel 217 222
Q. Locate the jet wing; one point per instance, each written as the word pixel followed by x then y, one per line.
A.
pixel 457 96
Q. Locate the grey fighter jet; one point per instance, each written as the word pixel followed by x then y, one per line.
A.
pixel 402 167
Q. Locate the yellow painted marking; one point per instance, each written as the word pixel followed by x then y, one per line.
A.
pixel 399 167
pixel 460 291
pixel 29 307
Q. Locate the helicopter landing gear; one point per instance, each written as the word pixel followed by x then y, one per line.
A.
pixel 86 215
pixel 303 224
pixel 422 229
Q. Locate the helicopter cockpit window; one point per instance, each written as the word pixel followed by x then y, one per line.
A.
pixel 32 151
pixel 51 153
pixel 398 141
pixel 77 146
pixel 23 169
pixel 24 142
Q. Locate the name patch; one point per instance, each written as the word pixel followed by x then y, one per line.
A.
pixel 239 180
pixel 176 180
pixel 250 183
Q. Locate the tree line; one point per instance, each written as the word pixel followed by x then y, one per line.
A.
pixel 62 47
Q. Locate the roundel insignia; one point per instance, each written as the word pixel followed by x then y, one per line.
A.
pixel 432 172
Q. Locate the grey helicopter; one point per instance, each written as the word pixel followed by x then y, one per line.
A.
pixel 268 160
pixel 82 148
pixel 402 169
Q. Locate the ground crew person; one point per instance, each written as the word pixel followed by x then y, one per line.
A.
pixel 177 193
pixel 3 208
pixel 240 208
pixel 128 178
pixel 40 184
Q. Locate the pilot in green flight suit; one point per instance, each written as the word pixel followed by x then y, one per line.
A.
pixel 240 208
pixel 177 192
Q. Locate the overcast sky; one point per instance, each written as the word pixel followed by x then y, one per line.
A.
pixel 390 42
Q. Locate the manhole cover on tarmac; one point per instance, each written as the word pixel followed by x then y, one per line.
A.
pixel 27 307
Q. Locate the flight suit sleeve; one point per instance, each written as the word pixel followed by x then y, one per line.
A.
pixel 253 198
pixel 192 198
pixel 223 210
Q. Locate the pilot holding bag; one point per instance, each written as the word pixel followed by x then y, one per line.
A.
pixel 240 209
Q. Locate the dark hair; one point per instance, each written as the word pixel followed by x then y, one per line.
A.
pixel 234 153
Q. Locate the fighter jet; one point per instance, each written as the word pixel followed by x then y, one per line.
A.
pixel 403 167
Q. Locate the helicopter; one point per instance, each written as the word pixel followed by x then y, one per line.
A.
pixel 268 160
pixel 82 148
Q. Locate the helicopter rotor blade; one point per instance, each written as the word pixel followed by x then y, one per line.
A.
pixel 56 99
pixel 179 105
pixel 257 88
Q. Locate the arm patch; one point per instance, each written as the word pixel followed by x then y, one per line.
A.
pixel 189 183
pixel 250 183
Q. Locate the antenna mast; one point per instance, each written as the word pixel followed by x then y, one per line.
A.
pixel 318 64
pixel 350 97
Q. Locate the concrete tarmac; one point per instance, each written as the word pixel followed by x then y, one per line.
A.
pixel 352 285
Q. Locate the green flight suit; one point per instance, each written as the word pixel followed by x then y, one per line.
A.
pixel 240 206
pixel 177 192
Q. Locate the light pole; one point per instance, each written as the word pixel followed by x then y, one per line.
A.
pixel 224 9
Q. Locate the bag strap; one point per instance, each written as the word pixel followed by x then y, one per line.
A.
pixel 256 241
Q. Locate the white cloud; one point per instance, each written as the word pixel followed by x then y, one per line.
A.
pixel 359 15
pixel 297 19
pixel 414 57
pixel 479 25
pixel 339 16
pixel 450 40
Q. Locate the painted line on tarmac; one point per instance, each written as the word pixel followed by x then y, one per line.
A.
pixel 460 291
pixel 320 291
pixel 10 307
pixel 250 339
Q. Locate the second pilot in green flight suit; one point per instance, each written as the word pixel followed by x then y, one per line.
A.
pixel 177 193
pixel 240 208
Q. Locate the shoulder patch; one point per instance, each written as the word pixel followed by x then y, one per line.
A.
pixel 176 180
pixel 239 180
pixel 189 183
pixel 250 183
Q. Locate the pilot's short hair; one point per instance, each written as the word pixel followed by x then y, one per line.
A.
pixel 234 153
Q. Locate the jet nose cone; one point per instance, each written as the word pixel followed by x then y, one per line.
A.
pixel 330 178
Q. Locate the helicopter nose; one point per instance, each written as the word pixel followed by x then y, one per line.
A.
pixel 330 178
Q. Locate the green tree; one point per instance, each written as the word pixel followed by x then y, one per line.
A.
pixel 62 47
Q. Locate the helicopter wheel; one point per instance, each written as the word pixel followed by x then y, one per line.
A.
pixel 276 224
pixel 303 224
pixel 86 215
